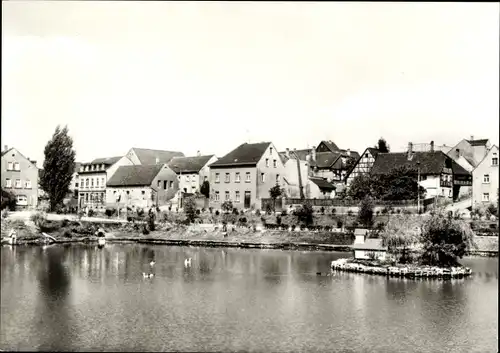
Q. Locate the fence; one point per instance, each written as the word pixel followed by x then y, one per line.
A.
pixel 345 203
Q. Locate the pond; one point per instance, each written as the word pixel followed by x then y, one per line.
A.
pixel 82 298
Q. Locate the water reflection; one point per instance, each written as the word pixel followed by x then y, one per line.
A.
pixel 85 298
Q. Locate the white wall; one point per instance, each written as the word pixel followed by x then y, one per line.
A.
pixel 364 254
pixel 479 186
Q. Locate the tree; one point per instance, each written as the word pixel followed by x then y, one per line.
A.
pixel 275 192
pixel 305 214
pixel 445 240
pixel 364 185
pixel 205 189
pixel 400 233
pixel 401 184
pixel 365 213
pixel 227 206
pixel 8 200
pixel 58 167
pixel 382 145
pixel 190 208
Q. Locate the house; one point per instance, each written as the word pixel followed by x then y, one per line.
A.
pixel 93 178
pixel 370 249
pixel 330 162
pixel 192 171
pixel 485 179
pixel 321 188
pixel 141 186
pixel 363 165
pixel 293 161
pixel 20 177
pixel 472 150
pixel 245 175
pixel 145 156
pixel 439 174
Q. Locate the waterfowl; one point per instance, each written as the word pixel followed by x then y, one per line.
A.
pixel 187 262
pixel 152 263
pixel 145 275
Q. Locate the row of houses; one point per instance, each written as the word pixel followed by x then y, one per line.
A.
pixel 146 177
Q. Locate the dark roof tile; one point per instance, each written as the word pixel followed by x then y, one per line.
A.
pixel 322 183
pixel 106 161
pixel 188 164
pixel 134 175
pixel 245 154
pixel 482 142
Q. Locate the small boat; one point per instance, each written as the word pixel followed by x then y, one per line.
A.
pixel 102 241
pixel 187 262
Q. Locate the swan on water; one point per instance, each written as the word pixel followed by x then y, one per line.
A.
pixel 187 262
pixel 152 263
pixel 145 275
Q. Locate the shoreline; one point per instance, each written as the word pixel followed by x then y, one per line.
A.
pixel 218 244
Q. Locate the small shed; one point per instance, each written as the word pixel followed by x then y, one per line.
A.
pixel 360 235
pixel 370 249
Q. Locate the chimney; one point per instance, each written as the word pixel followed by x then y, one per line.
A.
pixel 432 146
pixel 287 153
pixel 313 153
pixel 5 148
pixel 472 137
pixel 410 151
pixel 348 152
pixel 157 160
pixel 198 153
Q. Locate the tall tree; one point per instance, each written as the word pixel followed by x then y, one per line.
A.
pixel 382 145
pixel 275 192
pixel 58 167
pixel 205 189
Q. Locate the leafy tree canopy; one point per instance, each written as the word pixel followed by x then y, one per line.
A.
pixel 58 167
pixel 205 189
pixel 382 145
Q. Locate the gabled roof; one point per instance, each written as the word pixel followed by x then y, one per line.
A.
pixel 302 154
pixel 486 155
pixel 134 175
pixel 247 154
pixel 188 164
pixel 331 145
pixel 373 151
pixel 106 161
pixel 13 148
pixel 149 156
pixel 482 142
pixel 431 163
pixel 5 152
pixel 322 183
pixel 326 159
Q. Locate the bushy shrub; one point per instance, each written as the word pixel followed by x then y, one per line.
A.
pixel 145 230
pixel 235 211
pixel 38 218
pixel 140 212
pixel 67 234
pixel 227 206
pixel 9 201
pixel 91 213
pixel 257 213
pixel 198 212
pixel 110 212
pixel 269 209
pixel 334 211
pixel 151 221
pixel 217 212
pixel 278 220
pixel 365 213
pixel 5 213
pixel 305 214
pixel 340 224
pixel 65 223
pixel 349 213
pixel 284 213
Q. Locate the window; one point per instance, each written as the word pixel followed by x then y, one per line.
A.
pixel 262 177
pixel 171 184
pixel 237 177
pixel 92 182
pixel 274 163
pixel 277 178
pixel 18 183
pixel 205 178
pixel 270 150
pixel 82 183
pixel 247 177
pixel 187 178
pixel 228 177
pixel 217 177
pixel 16 166
pixel 102 182
pixel 27 184
pixel 87 182
pixel 227 196
pixel 494 161
pixel 10 166
pixel 267 162
pixel 76 185
pixel 159 184
pixel 128 192
pixel 165 184
pixel 216 196
pixel 22 200
pixel 8 183
pixel 86 197
pixel 486 196
pixel 237 196
pixel 486 179
pixel 97 182
pixel 143 192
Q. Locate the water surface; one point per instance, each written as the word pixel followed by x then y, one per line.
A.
pixel 81 298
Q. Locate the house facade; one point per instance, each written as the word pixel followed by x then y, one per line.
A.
pixel 439 174
pixel 363 165
pixel 192 171
pixel 292 163
pixel 93 177
pixel 141 186
pixel 20 177
pixel 245 175
pixel 472 150
pixel 485 180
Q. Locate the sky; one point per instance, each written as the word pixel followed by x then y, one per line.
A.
pixel 208 76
